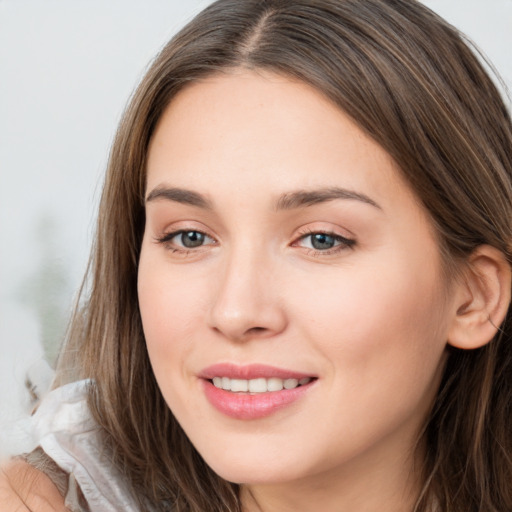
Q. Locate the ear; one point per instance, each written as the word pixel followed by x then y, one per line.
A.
pixel 483 299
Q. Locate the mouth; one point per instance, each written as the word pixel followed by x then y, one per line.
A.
pixel 259 385
pixel 253 391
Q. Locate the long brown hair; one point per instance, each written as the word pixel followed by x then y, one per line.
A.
pixel 410 81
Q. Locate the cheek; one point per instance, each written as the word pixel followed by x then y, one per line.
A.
pixel 383 341
pixel 171 308
pixel 385 324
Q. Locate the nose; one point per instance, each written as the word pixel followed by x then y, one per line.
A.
pixel 247 303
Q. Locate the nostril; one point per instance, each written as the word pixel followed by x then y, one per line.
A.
pixel 256 330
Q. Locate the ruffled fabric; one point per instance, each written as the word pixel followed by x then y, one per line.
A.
pixel 65 430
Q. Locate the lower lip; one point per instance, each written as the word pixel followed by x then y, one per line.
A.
pixel 247 406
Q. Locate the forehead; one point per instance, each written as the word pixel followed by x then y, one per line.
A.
pixel 264 132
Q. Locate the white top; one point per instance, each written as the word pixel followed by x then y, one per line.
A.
pixel 64 428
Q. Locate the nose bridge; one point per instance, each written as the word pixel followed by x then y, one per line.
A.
pixel 246 302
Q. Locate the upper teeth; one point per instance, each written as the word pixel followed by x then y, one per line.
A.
pixel 260 385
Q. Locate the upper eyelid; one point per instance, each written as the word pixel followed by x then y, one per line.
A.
pixel 181 225
pixel 304 231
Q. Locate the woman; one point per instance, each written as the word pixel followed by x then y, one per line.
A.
pixel 301 278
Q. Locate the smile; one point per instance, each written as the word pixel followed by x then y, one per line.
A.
pixel 253 391
pixel 260 385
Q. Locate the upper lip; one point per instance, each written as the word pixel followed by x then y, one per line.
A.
pixel 250 371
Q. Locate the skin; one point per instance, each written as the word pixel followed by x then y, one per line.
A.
pixel 24 489
pixel 370 319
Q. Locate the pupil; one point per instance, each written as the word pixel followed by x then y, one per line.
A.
pixel 192 239
pixel 322 241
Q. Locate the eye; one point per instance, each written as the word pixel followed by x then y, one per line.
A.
pixel 325 242
pixel 186 239
pixel 190 239
pixel 321 241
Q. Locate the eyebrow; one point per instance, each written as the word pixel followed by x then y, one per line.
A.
pixel 180 195
pixel 302 198
pixel 287 201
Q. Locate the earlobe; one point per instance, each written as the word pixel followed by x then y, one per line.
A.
pixel 484 299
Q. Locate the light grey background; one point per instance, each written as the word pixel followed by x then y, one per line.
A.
pixel 67 68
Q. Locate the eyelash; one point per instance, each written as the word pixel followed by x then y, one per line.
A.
pixel 167 238
pixel 342 242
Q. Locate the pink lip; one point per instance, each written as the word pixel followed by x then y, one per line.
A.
pixel 251 371
pixel 247 406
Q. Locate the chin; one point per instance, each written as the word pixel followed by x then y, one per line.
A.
pixel 253 475
pixel 261 469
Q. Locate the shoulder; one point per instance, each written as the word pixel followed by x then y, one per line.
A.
pixel 24 489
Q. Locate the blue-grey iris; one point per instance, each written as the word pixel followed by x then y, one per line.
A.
pixel 322 241
pixel 191 239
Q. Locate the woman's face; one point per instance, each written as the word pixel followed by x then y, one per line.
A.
pixel 286 260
